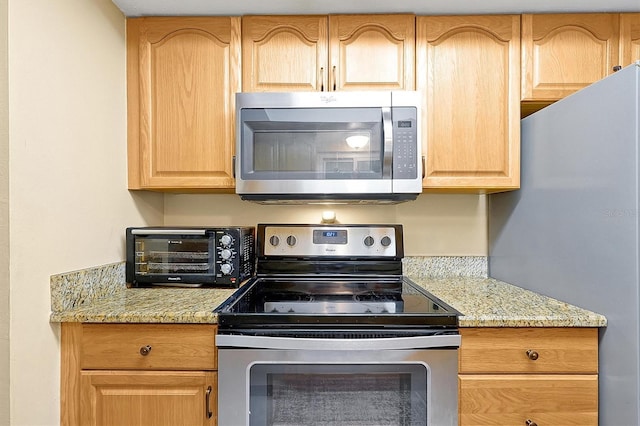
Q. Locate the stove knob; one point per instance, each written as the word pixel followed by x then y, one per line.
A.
pixel 226 240
pixel 385 241
pixel 226 254
pixel 226 268
pixel 274 240
pixel 368 241
pixel 291 240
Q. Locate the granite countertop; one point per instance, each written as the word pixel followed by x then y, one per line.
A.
pixel 484 302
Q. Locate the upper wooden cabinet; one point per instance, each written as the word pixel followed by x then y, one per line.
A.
pixel 320 53
pixel 562 53
pixel 469 73
pixel 629 38
pixel 182 77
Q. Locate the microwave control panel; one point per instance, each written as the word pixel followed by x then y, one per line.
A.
pixel 405 142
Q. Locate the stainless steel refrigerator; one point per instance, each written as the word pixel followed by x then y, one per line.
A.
pixel 572 231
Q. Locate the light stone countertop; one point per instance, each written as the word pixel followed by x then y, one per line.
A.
pixel 483 302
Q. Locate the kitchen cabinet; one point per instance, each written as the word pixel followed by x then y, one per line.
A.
pixel 182 76
pixel 629 38
pixel 528 376
pixel 138 374
pixel 562 53
pixel 469 75
pixel 328 53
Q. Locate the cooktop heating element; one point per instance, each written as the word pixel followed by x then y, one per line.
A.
pixel 321 278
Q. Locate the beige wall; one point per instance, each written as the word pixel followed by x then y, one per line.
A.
pixel 4 220
pixel 434 225
pixel 68 199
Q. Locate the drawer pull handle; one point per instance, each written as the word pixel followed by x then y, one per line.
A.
pixel 530 423
pixel 144 351
pixel 533 355
pixel 208 402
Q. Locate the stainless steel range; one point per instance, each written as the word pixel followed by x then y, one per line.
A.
pixel 330 332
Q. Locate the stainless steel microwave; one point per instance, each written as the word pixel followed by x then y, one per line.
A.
pixel 320 147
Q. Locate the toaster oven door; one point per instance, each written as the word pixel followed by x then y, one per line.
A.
pixel 171 258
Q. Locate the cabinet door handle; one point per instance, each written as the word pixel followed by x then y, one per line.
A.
pixel 617 68
pixel 424 162
pixel 322 79
pixel 233 166
pixel 208 402
pixel 529 422
pixel 532 355
pixel 144 351
pixel 334 78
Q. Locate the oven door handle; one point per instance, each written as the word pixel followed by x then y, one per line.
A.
pixel 294 343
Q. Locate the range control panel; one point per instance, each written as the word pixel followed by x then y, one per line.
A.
pixel 348 241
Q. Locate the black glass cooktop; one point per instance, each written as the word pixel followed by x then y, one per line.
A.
pixel 334 303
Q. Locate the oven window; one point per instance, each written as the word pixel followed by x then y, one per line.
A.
pixel 173 255
pixel 338 394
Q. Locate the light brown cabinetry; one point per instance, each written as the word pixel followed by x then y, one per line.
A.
pixel 562 53
pixel 138 374
pixel 469 75
pixel 535 375
pixel 182 77
pixel 327 53
pixel 629 38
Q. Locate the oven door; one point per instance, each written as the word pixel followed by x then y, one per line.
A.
pixel 266 381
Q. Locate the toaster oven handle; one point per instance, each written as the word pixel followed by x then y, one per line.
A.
pixel 387 130
pixel 148 231
pixel 295 343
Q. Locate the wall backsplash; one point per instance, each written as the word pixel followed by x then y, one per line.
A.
pixel 434 224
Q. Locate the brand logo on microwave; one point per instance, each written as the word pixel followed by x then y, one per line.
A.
pixel 327 98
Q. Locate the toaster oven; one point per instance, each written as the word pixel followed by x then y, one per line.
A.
pixel 189 257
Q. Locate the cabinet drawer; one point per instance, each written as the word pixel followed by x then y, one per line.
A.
pixel 542 399
pixel 529 350
pixel 167 346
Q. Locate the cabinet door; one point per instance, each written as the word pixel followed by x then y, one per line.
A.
pixel 469 75
pixel 183 75
pixel 372 52
pixel 562 53
pixel 153 398
pixel 629 38
pixel 284 53
pixel 528 399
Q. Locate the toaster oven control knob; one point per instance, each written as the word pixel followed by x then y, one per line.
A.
pixel 368 241
pixel 274 240
pixel 385 241
pixel 226 240
pixel 226 254
pixel 291 240
pixel 226 268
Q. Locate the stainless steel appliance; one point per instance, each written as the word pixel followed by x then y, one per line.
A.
pixel 207 256
pixel 572 230
pixel 357 147
pixel 329 332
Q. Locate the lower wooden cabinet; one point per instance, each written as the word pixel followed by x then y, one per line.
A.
pixel 528 376
pixel 148 398
pixel 519 399
pixel 138 374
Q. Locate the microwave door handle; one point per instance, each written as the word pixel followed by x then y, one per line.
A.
pixel 387 135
